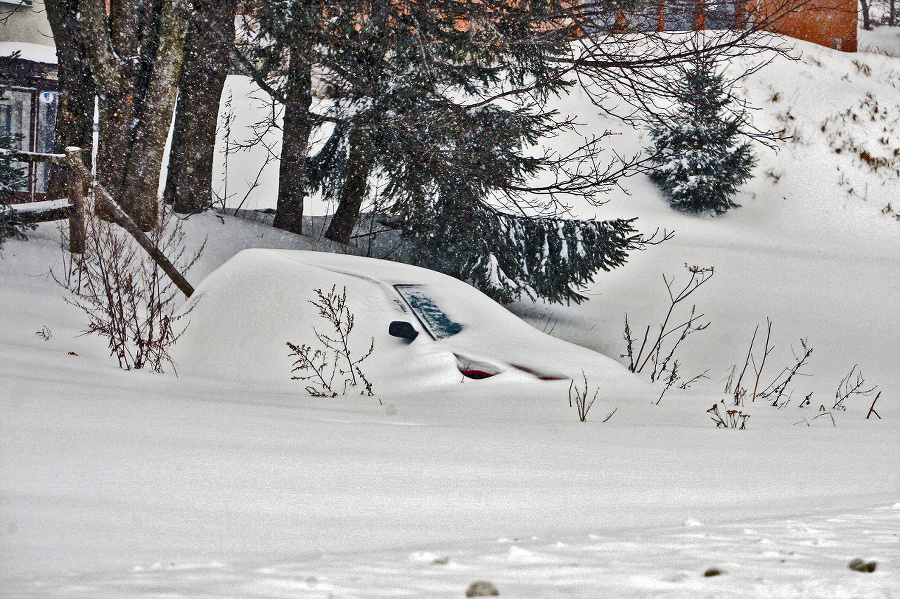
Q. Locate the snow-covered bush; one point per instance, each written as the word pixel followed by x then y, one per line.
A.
pixel 698 158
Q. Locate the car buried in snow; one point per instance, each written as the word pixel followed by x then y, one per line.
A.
pixel 428 330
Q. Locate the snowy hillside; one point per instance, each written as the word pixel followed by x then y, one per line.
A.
pixel 230 481
pixel 817 231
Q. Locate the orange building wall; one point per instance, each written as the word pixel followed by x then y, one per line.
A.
pixel 830 23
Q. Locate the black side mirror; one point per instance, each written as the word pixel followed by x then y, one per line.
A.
pixel 402 329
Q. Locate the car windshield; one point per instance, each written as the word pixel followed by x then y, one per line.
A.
pixel 435 320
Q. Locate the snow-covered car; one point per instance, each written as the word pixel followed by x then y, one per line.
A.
pixel 428 330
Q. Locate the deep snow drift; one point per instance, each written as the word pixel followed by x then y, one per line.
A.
pixel 230 481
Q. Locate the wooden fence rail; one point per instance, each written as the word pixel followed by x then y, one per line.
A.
pixel 79 179
pixel 74 211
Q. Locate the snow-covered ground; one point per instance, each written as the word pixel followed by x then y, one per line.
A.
pixel 130 484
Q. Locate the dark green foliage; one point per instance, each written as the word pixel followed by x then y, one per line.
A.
pixel 12 178
pixel 699 159
pixel 508 257
pixel 414 89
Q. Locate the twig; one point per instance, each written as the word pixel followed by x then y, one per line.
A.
pixel 845 389
pixel 872 409
pixel 738 391
pixel 766 352
pixel 777 388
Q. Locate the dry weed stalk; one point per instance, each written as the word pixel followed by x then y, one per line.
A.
pixel 579 398
pixel 638 360
pixel 778 387
pixel 728 418
pixel 740 392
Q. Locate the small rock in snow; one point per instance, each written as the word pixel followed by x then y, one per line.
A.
pixel 713 572
pixel 861 565
pixel 482 588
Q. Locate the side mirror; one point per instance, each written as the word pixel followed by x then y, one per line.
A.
pixel 402 329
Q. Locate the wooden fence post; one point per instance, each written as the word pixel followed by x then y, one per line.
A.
pixel 75 182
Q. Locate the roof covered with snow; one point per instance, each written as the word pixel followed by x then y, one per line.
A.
pixel 32 52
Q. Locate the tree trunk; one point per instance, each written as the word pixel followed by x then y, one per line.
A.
pixel 293 179
pixel 209 41
pixel 75 111
pixel 864 4
pixel 135 54
pixel 359 165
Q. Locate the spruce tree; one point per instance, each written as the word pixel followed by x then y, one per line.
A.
pixel 415 94
pixel 12 178
pixel 699 160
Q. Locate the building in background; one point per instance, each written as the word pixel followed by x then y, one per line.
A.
pixel 830 23
pixel 29 85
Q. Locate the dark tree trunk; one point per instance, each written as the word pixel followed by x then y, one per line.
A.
pixel 359 165
pixel 135 55
pixel 208 45
pixel 864 5
pixel 75 112
pixel 293 178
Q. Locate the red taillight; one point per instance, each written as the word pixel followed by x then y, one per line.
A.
pixel 475 374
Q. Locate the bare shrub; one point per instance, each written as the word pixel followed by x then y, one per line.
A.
pixel 662 350
pixel 320 366
pixel 127 297
pixel 777 388
pixel 637 361
pixel 849 387
pixel 738 391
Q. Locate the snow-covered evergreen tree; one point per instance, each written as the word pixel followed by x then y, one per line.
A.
pixel 12 178
pixel 440 102
pixel 699 158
